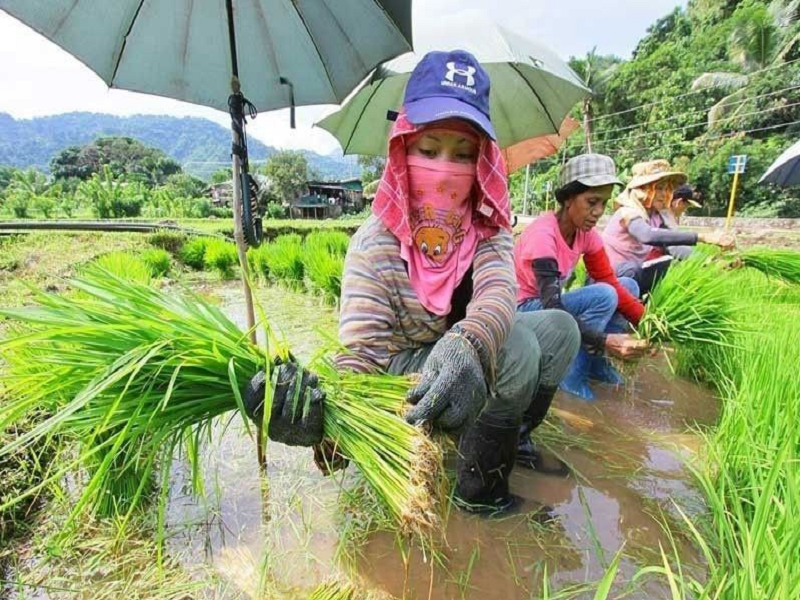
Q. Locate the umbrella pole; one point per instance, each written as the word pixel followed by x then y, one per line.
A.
pixel 238 232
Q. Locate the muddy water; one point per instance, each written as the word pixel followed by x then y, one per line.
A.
pixel 279 536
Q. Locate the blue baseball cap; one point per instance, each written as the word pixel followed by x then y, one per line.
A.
pixel 447 85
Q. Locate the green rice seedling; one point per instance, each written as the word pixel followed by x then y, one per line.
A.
pixel 692 304
pixel 221 256
pixel 334 591
pixel 284 257
pixel 124 265
pixel 257 258
pixel 193 252
pixel 171 241
pixel 136 376
pixel 578 276
pixel 781 264
pixel 323 261
pixel 158 261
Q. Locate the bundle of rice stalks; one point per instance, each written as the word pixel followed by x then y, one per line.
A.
pixel 135 376
pixel 193 252
pixel 158 261
pixel 284 258
pixel 257 258
pixel 334 591
pixel 221 256
pixel 125 265
pixel 323 260
pixel 782 264
pixel 692 304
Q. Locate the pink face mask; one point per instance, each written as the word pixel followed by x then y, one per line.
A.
pixel 443 183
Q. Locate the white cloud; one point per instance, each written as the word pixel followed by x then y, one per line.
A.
pixel 38 78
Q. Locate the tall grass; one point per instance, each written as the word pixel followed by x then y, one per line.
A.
pixel 134 376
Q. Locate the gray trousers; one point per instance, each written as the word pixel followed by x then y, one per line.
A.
pixel 538 351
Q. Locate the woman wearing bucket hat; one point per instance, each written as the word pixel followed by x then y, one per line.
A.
pixel 546 255
pixel 428 284
pixel 635 228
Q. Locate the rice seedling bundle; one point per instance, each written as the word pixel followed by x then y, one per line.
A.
pixel 692 304
pixel 257 258
pixel 221 256
pixel 158 261
pixel 284 257
pixel 781 264
pixel 135 376
pixel 193 252
pixel 125 265
pixel 334 591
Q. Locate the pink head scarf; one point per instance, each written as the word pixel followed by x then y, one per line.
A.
pixel 438 234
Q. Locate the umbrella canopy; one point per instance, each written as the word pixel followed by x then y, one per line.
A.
pixel 785 171
pixel 181 48
pixel 532 89
pixel 529 151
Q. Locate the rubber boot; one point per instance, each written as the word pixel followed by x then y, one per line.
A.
pixel 576 381
pixel 602 370
pixel 486 454
pixel 528 455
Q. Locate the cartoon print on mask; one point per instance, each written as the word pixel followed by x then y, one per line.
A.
pixel 436 232
pixel 432 242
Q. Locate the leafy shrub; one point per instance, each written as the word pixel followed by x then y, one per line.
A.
pixel 112 198
pixel 171 241
pixel 221 256
pixel 125 265
pixel 158 261
pixel 284 259
pixel 194 251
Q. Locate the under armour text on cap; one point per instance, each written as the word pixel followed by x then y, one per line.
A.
pixel 448 85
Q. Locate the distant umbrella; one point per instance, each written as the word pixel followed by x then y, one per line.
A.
pixel 785 171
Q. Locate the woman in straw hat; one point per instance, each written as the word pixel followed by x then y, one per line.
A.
pixel 636 227
pixel 547 253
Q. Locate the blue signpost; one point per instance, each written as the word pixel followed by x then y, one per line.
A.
pixel 736 166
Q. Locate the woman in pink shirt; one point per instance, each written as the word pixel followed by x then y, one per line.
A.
pixel 546 255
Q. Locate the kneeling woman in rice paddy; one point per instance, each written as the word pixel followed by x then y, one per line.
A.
pixel 429 287
pixel 545 257
pixel 636 226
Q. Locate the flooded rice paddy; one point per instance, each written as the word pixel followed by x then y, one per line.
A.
pixel 280 535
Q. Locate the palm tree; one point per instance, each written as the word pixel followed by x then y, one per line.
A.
pixel 757 42
pixel 595 71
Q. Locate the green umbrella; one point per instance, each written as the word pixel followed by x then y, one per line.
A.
pixel 532 89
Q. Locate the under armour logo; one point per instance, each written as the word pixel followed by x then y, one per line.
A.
pixel 468 72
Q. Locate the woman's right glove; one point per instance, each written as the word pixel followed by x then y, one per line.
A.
pixel 452 390
pixel 295 423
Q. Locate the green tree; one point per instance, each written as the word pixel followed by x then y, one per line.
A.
pixel 371 167
pixel 123 155
pixel 6 175
pixel 111 197
pixel 595 71
pixel 221 175
pixel 287 171
pixel 23 191
pixel 186 185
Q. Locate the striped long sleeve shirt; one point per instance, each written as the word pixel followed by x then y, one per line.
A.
pixel 381 316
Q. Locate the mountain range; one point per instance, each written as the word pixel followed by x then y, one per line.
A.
pixel 199 145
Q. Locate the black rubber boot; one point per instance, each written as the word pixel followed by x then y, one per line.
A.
pixel 528 455
pixel 486 454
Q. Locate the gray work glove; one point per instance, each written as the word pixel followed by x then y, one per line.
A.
pixel 452 390
pixel 295 423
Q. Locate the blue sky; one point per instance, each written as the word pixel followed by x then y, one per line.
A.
pixel 37 78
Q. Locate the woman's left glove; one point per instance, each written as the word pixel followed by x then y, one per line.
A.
pixel 452 390
pixel 293 423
